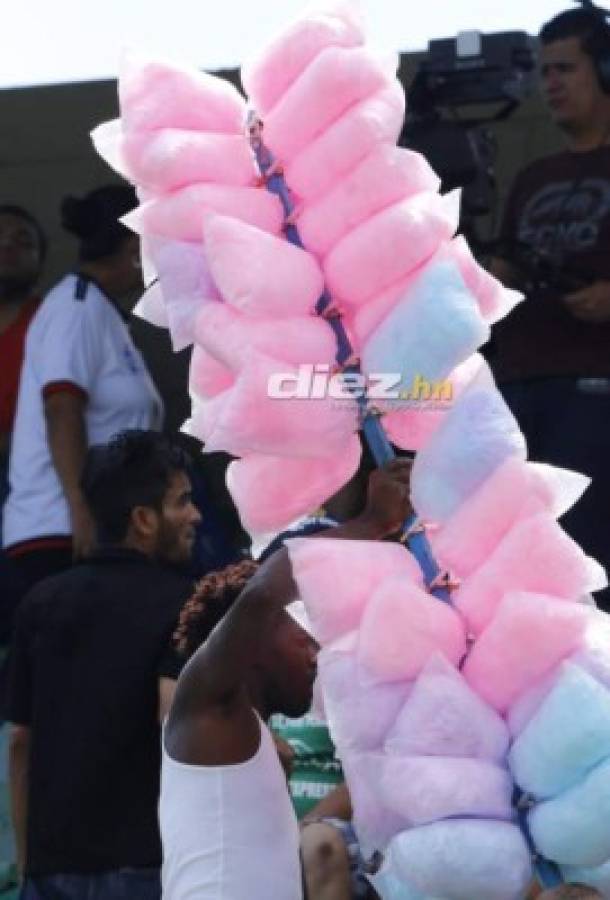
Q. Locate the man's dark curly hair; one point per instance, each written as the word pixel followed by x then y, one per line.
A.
pixel 212 598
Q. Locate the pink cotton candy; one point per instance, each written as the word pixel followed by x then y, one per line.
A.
pixel 156 94
pixel 333 82
pixel 510 654
pixel 403 626
pixel 363 320
pixel 174 158
pixel 475 437
pixel 424 789
pixel 359 713
pixel 413 427
pixel 337 578
pixel 207 376
pixel 260 274
pixel 271 492
pixel 444 717
pixel 246 419
pixel 536 556
pixel 515 490
pixel 384 177
pixel 388 246
pixel 495 300
pixel 274 68
pixel 377 120
pixel 224 332
pixel 181 215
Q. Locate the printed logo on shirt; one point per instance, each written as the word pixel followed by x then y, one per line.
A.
pixel 565 217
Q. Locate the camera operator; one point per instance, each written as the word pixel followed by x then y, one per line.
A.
pixel 552 354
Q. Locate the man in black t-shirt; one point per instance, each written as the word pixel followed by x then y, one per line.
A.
pixel 552 353
pixel 83 695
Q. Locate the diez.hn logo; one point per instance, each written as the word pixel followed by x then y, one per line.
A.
pixel 315 382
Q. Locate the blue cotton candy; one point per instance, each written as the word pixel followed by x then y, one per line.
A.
pixel 433 328
pixel 569 734
pixel 572 829
pixel 477 435
pixel 463 859
pixel 390 887
pixel 596 877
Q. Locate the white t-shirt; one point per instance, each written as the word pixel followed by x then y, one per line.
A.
pixel 229 832
pixel 77 338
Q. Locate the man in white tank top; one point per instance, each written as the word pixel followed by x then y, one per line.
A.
pixel 228 828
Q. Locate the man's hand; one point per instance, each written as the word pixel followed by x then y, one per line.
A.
pixel 388 501
pixel 590 304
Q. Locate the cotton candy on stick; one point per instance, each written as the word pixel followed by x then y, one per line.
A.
pixel 536 556
pixel 180 215
pixel 403 626
pixel 260 274
pixel 426 789
pixel 268 74
pixel 333 82
pixel 476 436
pixel 385 176
pixel 376 120
pixel 224 332
pixel 173 158
pixel 433 329
pixel 359 712
pixel 156 94
pixel 207 376
pixel 410 427
pixel 185 284
pixel 566 737
pixel 463 859
pixel 270 492
pixel 443 716
pixel 571 829
pixel 246 419
pixel 515 490
pixel 389 245
pixel 375 824
pixel 509 656
pixel 336 579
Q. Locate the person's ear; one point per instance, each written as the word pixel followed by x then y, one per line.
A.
pixel 145 521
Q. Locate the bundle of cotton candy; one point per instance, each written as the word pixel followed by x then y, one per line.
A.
pixel 536 556
pixel 476 436
pixel 514 491
pixel 417 743
pixel 422 738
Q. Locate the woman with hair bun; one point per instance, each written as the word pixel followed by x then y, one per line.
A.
pixel 82 382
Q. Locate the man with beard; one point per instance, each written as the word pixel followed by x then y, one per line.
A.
pixel 22 251
pixel 83 688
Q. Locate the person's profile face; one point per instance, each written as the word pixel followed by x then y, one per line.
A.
pixel 292 667
pixel 20 252
pixel 569 83
pixel 177 522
